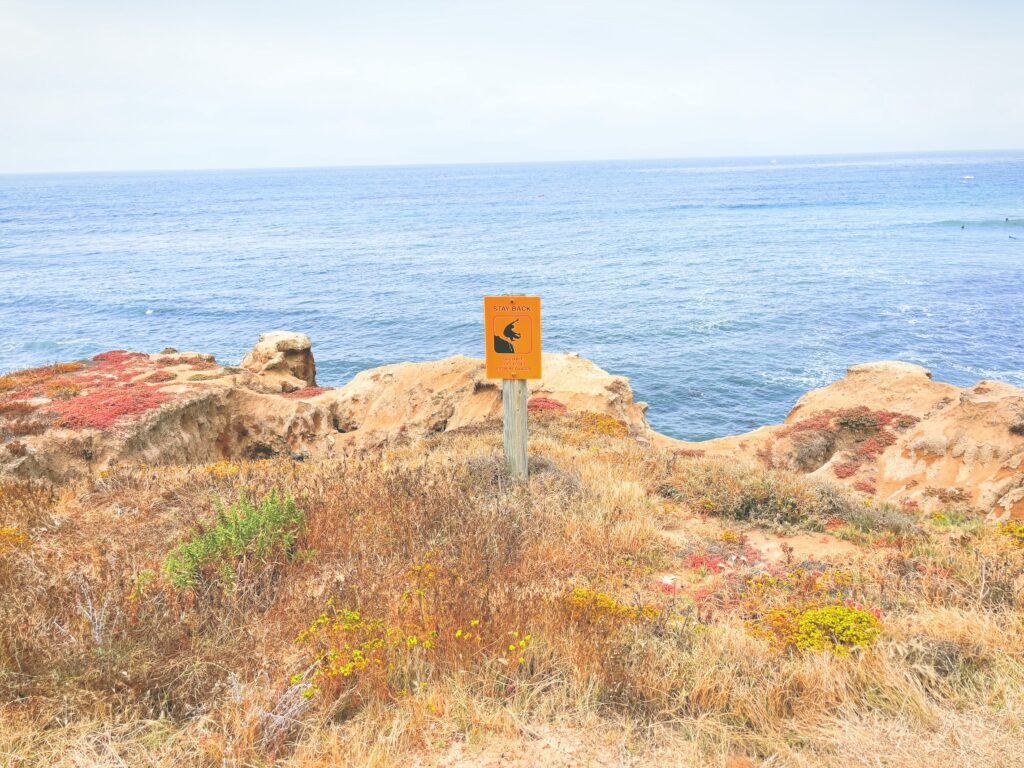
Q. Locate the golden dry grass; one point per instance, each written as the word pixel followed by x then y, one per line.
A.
pixel 580 660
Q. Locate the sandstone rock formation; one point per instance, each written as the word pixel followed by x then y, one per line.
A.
pixel 283 361
pixel 886 430
pixel 424 398
pixel 890 432
pixel 67 421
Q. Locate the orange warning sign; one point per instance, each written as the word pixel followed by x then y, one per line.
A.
pixel 512 336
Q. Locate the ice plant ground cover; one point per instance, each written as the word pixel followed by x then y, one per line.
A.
pixel 415 607
pixel 100 393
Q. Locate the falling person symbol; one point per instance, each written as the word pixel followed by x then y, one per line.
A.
pixel 504 346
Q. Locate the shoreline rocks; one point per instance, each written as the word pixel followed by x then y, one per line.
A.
pixel 185 408
pixel 887 430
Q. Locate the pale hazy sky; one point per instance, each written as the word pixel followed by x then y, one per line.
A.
pixel 137 85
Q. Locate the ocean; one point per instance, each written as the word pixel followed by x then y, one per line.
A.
pixel 723 288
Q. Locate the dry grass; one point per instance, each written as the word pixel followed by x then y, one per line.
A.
pixel 104 661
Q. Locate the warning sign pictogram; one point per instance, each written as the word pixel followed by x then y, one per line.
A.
pixel 512 336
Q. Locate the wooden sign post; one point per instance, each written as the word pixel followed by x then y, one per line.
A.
pixel 512 341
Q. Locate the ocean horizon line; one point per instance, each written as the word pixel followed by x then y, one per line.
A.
pixel 485 163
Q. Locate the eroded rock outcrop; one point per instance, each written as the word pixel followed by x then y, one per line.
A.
pixel 282 361
pixel 425 398
pixel 892 433
pixel 887 430
pixel 76 419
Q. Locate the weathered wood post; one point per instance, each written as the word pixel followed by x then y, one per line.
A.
pixel 513 401
pixel 512 343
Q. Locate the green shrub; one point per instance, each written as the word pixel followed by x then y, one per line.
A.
pixel 242 533
pixel 808 610
pixel 949 518
pixel 1015 530
pixel 869 517
pixel 836 628
pixel 771 498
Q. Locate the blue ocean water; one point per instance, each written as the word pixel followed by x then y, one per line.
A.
pixel 723 289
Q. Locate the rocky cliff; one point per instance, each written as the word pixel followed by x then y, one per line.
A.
pixel 886 430
pixel 890 432
pixel 73 419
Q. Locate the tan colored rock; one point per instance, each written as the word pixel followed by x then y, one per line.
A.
pixel 206 412
pixel 581 385
pixel 959 451
pixel 926 444
pixel 283 361
pixel 415 399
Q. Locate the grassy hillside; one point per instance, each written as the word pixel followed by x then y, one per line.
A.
pixel 416 608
